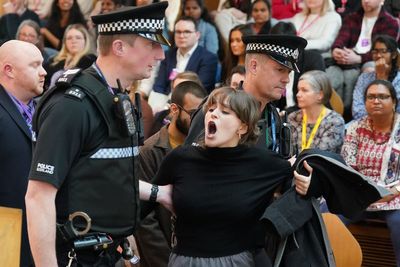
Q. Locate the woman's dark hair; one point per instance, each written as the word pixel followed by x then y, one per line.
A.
pixel 245 106
pixel 75 15
pixel 283 28
pixel 231 60
pixel 266 28
pixel 388 85
pixel 237 69
pixel 391 45
pixel 204 11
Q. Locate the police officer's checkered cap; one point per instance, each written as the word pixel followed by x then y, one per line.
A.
pixel 272 48
pixel 132 25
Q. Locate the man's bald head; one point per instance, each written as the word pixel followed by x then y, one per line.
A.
pixel 21 70
pixel 14 51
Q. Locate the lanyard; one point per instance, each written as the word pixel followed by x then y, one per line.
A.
pixel 303 26
pixel 304 143
pixel 97 69
pixel 273 129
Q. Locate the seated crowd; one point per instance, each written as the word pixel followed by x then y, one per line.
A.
pixel 351 57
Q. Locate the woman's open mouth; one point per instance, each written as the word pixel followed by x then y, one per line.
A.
pixel 211 129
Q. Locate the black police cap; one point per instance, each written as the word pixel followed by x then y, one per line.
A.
pixel 146 21
pixel 284 49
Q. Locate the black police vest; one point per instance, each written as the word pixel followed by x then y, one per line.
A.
pixel 102 183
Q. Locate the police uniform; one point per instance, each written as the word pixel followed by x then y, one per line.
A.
pixel 82 148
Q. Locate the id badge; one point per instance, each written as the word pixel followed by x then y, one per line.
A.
pixel 364 42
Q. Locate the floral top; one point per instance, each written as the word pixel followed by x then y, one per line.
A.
pixel 329 135
pixel 363 81
pixel 374 155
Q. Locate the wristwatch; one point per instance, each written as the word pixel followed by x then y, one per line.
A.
pixel 153 194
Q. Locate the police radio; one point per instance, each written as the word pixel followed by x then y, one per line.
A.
pixel 286 145
pixel 124 111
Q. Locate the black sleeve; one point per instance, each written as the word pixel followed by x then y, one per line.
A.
pixel 196 129
pixel 65 127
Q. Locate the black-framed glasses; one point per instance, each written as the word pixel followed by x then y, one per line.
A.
pixel 379 97
pixel 184 33
pixel 189 112
pixel 380 51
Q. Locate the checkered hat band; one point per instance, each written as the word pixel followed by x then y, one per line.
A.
pixel 132 25
pixel 280 50
pixel 116 153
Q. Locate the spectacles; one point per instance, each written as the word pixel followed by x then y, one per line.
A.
pixel 381 51
pixel 379 97
pixel 189 112
pixel 184 33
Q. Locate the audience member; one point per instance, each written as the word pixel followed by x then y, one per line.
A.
pixel 154 234
pixel 208 33
pixel 161 117
pixel 315 125
pixel 29 31
pixel 15 12
pixel 74 53
pixel 284 9
pixel 261 14
pixel 385 55
pixel 370 147
pixel 352 46
pixel 318 23
pixel 21 79
pixel 62 14
pixel 231 13
pixel 187 55
pixel 236 77
pixel 236 48
pixel 344 7
pixel 215 227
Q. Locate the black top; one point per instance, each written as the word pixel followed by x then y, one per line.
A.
pixel 68 125
pixel 85 62
pixel 219 195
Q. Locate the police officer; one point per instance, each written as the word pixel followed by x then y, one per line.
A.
pixel 269 61
pixel 86 145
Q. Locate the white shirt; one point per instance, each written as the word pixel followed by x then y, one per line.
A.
pixel 364 40
pixel 183 60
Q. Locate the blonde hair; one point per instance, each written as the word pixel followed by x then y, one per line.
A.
pixel 64 53
pixel 327 6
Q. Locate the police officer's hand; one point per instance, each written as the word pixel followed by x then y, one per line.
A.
pixel 165 197
pixel 302 182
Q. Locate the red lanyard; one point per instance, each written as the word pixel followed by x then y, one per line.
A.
pixel 304 27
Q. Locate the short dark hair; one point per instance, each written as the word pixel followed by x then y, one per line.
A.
pixel 187 18
pixel 187 87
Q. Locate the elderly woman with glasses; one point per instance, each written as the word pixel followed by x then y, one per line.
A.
pixel 372 147
pixel 385 55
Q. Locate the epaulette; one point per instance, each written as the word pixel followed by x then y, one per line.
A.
pixel 67 77
pixel 75 92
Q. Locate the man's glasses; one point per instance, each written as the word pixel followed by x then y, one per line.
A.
pixel 184 33
pixel 381 51
pixel 379 97
pixel 189 112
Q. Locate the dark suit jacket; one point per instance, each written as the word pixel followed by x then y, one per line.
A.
pixel 15 160
pixel 202 62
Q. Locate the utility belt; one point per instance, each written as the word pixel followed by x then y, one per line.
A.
pixel 77 240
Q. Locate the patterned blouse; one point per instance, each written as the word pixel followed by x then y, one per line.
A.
pixel 329 135
pixel 366 151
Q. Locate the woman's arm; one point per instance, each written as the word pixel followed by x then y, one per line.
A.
pixel 55 42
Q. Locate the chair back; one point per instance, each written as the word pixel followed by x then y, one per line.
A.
pixel 346 249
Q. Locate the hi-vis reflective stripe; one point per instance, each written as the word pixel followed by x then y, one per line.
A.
pixel 116 153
